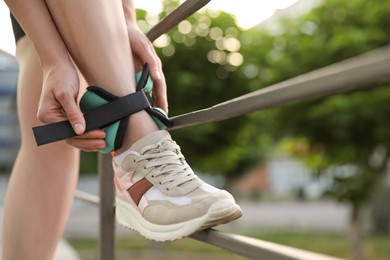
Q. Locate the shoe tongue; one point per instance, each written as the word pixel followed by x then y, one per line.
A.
pixel 150 139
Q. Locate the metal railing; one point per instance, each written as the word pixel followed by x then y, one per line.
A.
pixel 359 72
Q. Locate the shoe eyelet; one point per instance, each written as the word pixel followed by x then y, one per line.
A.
pixel 153 176
pixel 160 183
pixel 167 189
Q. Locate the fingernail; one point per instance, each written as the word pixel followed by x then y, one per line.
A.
pixel 78 128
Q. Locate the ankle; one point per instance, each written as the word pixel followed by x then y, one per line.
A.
pixel 140 125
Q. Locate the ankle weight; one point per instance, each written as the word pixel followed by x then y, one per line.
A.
pixel 96 97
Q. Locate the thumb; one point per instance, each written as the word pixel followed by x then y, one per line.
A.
pixel 73 114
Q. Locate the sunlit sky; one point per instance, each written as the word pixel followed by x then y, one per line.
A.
pixel 247 12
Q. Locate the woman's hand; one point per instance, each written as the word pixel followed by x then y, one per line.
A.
pixel 91 141
pixel 58 99
pixel 144 52
pixel 58 102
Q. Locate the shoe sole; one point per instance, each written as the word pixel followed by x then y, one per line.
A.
pixel 219 213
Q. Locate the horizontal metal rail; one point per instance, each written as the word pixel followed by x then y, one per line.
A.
pixel 241 245
pixel 87 197
pixel 256 248
pixel 353 73
pixel 176 16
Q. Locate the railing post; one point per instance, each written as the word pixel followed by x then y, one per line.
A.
pixel 106 208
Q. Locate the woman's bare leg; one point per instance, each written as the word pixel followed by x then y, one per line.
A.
pixel 96 36
pixel 150 175
pixel 43 180
pixel 41 188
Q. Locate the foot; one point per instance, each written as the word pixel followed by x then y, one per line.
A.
pixel 159 196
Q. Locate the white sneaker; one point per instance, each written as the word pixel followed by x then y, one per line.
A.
pixel 160 196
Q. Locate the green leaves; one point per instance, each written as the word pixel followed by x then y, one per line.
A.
pixel 208 59
pixel 348 127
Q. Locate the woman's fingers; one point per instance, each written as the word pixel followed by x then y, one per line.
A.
pixel 91 141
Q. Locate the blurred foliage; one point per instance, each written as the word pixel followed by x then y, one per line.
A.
pixel 344 129
pixel 348 134
pixel 208 59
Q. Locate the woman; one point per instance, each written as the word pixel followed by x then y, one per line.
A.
pixel 65 45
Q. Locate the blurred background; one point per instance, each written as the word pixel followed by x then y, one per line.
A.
pixel 312 174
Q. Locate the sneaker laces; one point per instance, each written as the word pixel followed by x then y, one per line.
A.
pixel 166 163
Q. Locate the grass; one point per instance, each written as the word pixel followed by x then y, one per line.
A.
pixel 332 244
pixel 376 247
pixel 142 249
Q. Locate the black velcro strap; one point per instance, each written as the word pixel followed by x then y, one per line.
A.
pixel 98 118
pixel 163 118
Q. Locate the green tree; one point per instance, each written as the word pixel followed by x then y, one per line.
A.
pixel 349 129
